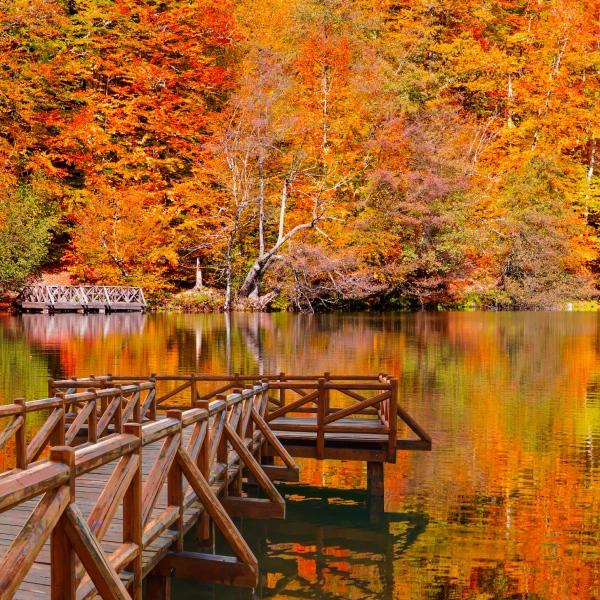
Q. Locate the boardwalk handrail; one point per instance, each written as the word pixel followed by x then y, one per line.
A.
pixel 225 438
pixel 71 415
pixel 365 397
pixel 83 296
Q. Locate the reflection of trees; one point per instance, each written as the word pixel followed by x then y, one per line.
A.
pixel 512 487
pixel 23 370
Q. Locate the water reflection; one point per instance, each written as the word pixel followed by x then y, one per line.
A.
pixel 510 494
pixel 329 546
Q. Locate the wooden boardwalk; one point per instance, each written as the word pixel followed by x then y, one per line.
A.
pixel 80 298
pixel 102 495
pixel 346 417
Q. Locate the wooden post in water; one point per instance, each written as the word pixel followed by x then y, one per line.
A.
pixel 375 490
pixel 321 414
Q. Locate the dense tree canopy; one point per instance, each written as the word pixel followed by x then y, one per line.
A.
pixel 26 225
pixel 310 153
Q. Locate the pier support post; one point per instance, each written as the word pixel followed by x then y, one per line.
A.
pixel 205 533
pixel 375 484
pixel 158 587
pixel 375 490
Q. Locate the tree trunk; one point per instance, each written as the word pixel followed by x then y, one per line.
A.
pixel 262 263
pixel 228 276
pixel 251 283
pixel 261 206
pixel 198 285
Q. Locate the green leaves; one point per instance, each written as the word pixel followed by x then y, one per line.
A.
pixel 26 224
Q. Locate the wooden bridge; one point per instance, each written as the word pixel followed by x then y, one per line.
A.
pixel 80 298
pixel 120 469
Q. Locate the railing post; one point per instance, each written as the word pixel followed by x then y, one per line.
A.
pixel 119 412
pixel 93 418
pixel 392 415
pixel 62 555
pixel 222 452
pixel 263 409
pixel 282 390
pixel 193 391
pixel 326 376
pixel 321 403
pixel 152 408
pixel 20 437
pixel 205 527
pixel 58 436
pixel 137 407
pixel 175 485
pixel 132 515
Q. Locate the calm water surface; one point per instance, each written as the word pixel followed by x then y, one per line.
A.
pixel 507 505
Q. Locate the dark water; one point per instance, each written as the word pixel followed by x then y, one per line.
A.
pixel 507 505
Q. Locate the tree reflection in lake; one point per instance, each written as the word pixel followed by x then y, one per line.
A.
pixel 510 495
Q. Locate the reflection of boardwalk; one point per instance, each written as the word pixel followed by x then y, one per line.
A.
pixel 53 330
pixel 329 546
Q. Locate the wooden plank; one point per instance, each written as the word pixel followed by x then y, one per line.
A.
pixel 344 412
pixel 117 485
pixel 10 429
pixel 287 408
pixel 209 568
pixel 23 485
pixel 158 474
pixel 272 439
pixel 42 437
pixel 259 475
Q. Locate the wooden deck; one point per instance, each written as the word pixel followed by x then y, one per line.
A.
pixel 299 435
pixel 37 582
pixel 102 495
pixel 80 298
pixel 346 417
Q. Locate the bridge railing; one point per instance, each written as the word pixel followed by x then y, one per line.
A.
pixel 303 403
pixel 90 296
pixel 69 418
pixel 203 454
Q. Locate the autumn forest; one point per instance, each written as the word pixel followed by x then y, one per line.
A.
pixel 304 154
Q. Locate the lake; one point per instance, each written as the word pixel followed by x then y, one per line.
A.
pixel 507 505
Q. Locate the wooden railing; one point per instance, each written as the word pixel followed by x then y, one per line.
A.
pixel 333 402
pixel 82 416
pixel 81 296
pixel 204 452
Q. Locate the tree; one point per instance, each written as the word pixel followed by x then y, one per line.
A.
pixel 26 225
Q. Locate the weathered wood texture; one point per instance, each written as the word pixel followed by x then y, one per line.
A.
pixel 96 518
pixel 85 298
